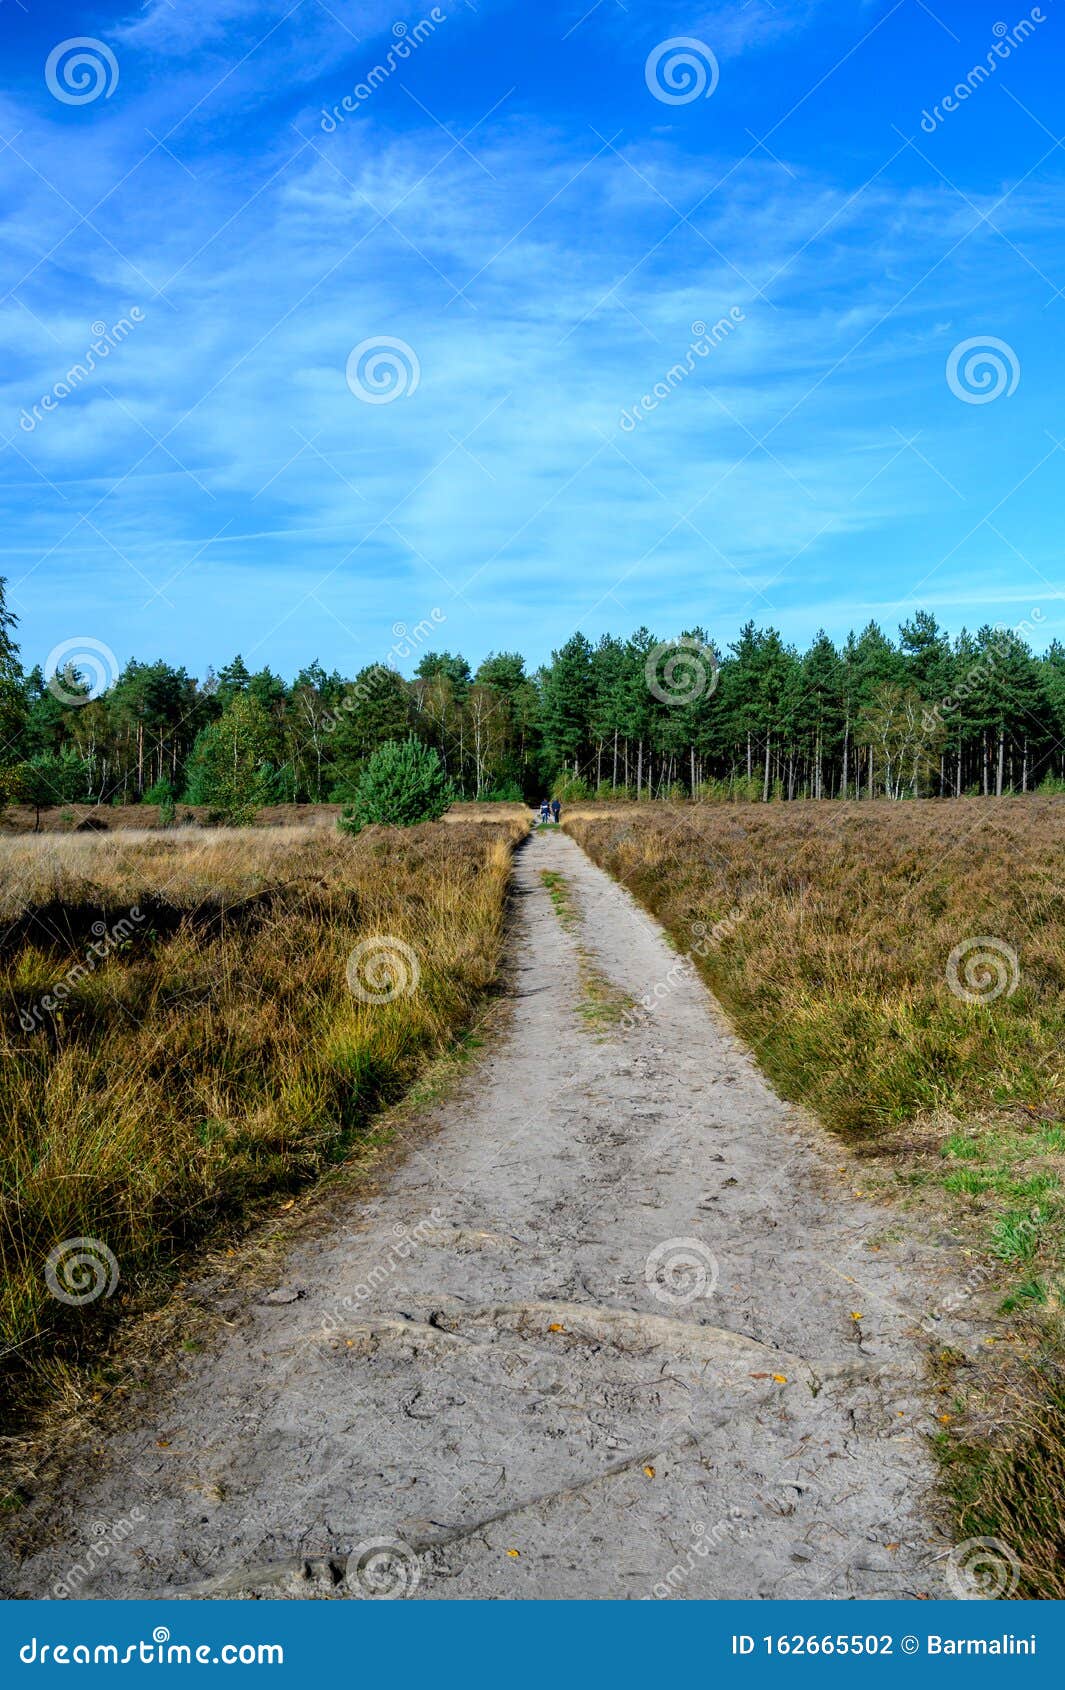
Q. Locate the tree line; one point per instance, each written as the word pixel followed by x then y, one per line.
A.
pixel 923 715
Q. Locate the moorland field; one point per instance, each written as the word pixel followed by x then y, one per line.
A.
pixel 900 970
pixel 184 1041
pixel 193 1020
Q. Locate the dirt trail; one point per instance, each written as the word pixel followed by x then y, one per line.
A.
pixel 502 1363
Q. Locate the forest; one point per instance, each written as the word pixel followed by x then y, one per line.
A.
pixel 923 715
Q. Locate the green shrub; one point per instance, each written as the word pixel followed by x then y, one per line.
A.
pixel 403 783
pixel 569 789
pixel 161 793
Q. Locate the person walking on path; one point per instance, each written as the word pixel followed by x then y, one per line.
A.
pixel 545 810
pixel 556 809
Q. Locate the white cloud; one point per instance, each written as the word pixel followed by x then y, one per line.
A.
pixel 580 287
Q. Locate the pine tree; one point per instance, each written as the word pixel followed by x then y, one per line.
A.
pixel 567 696
pixel 375 710
pixel 402 784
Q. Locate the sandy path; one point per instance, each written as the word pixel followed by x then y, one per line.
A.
pixel 479 1365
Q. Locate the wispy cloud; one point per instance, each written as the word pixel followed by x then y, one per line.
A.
pixel 546 272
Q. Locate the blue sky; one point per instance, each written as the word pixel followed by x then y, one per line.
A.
pixel 514 204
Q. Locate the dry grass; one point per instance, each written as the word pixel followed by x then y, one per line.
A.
pixel 483 810
pixel 210 1051
pixel 105 818
pixel 838 923
pixel 146 818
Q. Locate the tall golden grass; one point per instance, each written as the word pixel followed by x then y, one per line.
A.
pixel 844 918
pixel 211 1050
pixel 827 931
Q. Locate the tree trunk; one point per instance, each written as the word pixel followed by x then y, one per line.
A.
pixel 765 778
